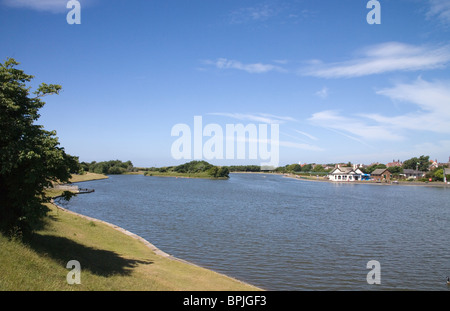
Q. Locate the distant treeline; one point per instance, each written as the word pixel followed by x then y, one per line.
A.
pixel 297 168
pixel 204 168
pixel 108 167
pixel 244 168
pixel 193 167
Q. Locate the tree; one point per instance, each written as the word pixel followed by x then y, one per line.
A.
pixel 108 167
pixel 30 157
pixel 307 168
pixel 395 169
pixel 370 169
pixel 422 163
pixel 318 168
pixel 294 167
pixel 438 174
pixel 223 172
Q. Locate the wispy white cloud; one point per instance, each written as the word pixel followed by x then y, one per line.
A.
pixel 260 117
pixel 307 135
pixel 432 100
pixel 296 145
pixel 274 143
pixel 323 93
pixel 281 61
pixel 54 6
pixel 271 11
pixel 270 119
pixel 252 14
pixel 431 113
pixel 382 58
pixel 439 9
pixel 223 63
pixel 362 141
pixel 353 125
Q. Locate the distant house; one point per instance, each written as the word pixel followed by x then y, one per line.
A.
pixel 345 174
pixel 410 173
pixel 381 174
pixel 433 165
pixel 394 163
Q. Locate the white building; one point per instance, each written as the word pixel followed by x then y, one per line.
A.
pixel 345 174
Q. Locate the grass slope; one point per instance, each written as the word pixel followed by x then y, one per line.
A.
pixel 110 260
pixel 87 176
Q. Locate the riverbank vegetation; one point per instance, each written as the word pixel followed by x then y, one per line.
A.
pixel 193 169
pixel 112 167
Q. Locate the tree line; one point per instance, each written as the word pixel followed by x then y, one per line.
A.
pixel 111 167
pixel 192 167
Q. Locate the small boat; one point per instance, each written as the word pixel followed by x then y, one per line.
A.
pixel 448 281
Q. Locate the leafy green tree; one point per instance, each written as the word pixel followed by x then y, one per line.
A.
pixel 110 167
pixel 30 157
pixel 244 168
pixel 318 168
pixel 395 169
pixel 223 172
pixel 281 169
pixel 307 168
pixel 438 174
pixel 294 167
pixel 421 163
pixel 370 169
pixel 213 171
pixel 116 170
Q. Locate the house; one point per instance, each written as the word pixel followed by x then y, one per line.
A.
pixel 394 163
pixel 410 173
pixel 381 174
pixel 345 174
pixel 433 165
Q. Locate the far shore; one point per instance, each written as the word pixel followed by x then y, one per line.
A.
pixel 363 182
pixel 176 175
pixel 93 176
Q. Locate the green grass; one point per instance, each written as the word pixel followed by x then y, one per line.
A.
pixel 87 176
pixel 110 261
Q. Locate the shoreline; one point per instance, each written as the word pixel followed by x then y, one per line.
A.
pixel 152 247
pixel 177 175
pixel 359 182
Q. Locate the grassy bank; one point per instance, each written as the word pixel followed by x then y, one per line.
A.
pixel 110 260
pixel 86 177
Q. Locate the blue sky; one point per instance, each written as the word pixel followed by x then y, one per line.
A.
pixel 340 89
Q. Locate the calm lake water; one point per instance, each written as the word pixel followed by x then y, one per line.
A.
pixel 284 234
